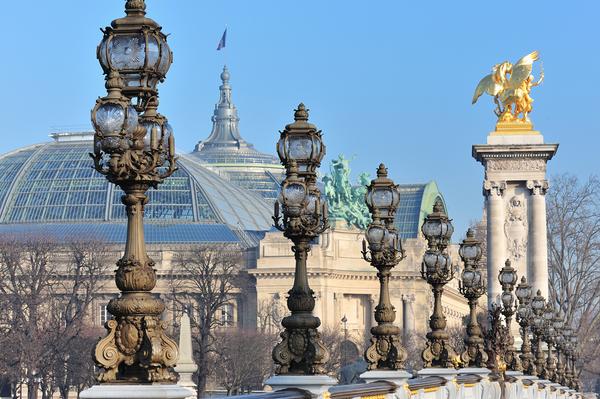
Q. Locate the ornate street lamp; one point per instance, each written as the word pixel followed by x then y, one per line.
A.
pixel 524 317
pixel 437 270
pixel 385 251
pixel 549 371
pixel 472 286
pixel 508 278
pixel 134 148
pixel 300 149
pixel 538 304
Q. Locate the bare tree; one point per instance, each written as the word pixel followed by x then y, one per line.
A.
pixel 242 359
pixel 269 314
pixel 204 280
pixel 45 291
pixel 574 259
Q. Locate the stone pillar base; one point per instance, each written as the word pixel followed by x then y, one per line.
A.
pixel 126 391
pixel 398 377
pixel 447 373
pixel 315 384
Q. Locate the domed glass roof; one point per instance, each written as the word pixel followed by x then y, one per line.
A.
pixel 55 182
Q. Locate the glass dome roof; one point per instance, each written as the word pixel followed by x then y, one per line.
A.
pixel 55 182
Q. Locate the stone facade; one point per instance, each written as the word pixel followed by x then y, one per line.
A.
pixel 346 285
pixel 514 188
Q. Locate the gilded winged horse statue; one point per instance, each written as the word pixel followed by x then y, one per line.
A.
pixel 510 86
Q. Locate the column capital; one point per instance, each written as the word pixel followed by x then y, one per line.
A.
pixel 494 188
pixel 537 187
pixel 409 298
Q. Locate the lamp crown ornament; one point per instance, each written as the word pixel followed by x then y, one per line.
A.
pixel 134 148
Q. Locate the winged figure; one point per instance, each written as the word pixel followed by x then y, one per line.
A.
pixel 510 86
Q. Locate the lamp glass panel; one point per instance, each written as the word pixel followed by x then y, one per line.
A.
pixel 127 52
pixel 294 194
pixel 300 148
pixel 110 119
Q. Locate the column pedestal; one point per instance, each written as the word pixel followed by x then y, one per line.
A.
pixel 316 384
pixel 398 377
pixel 125 391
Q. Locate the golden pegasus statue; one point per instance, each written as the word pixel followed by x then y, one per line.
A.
pixel 510 85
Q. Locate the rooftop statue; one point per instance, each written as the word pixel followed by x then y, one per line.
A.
pixel 345 201
pixel 511 85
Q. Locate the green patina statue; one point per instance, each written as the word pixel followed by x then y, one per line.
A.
pixel 345 201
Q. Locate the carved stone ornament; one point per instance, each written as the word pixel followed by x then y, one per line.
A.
pixel 515 228
pixel 493 188
pixel 385 352
pixel 517 165
pixel 537 187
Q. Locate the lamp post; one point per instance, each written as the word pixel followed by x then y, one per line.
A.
pixel 303 218
pixel 550 338
pixel 538 303
pixel 561 352
pixel 134 149
pixel 567 351
pixel 508 279
pixel 436 269
pixel 524 318
pixel 384 253
pixel 344 347
pixel 472 286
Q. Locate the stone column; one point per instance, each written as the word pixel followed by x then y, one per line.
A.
pixel 408 315
pixel 496 240
pixel 538 262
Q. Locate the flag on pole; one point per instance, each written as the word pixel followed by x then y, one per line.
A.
pixel 222 41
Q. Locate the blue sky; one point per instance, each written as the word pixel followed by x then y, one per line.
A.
pixel 386 81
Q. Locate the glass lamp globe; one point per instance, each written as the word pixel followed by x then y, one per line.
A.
pixel 524 312
pixel 538 303
pixel 470 248
pixel 468 278
pixel 114 118
pixel 437 225
pixel 523 291
pixel 507 275
pixel 435 261
pixel 301 142
pixel 377 235
pixel 557 322
pixel 293 194
pixel 548 313
pixel 507 299
pixel 383 196
pixel 136 47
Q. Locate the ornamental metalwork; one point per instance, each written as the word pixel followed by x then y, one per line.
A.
pixel 549 336
pixel 134 149
pixel 538 304
pixel 436 269
pixel 301 216
pixel 384 253
pixel 524 318
pixel 508 279
pixel 472 286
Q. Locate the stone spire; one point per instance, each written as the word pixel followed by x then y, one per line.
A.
pixel 225 132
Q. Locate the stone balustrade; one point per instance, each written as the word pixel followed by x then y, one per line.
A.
pixel 462 386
